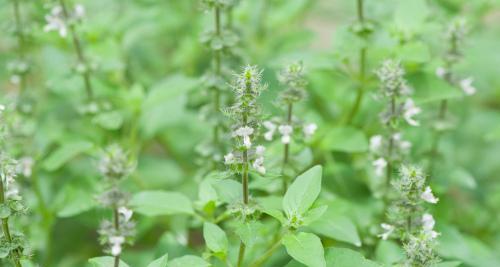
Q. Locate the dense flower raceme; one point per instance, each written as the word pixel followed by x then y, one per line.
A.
pixel 58 20
pixel 455 35
pixel 408 220
pixel 15 246
pixel 115 165
pixel 292 78
pixel 391 147
pixel 245 113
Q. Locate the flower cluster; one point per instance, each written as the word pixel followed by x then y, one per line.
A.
pixel 59 19
pixel 391 147
pixel 455 34
pixel 12 245
pixel 115 165
pixel 17 69
pixel 292 78
pixel 245 113
pixel 408 219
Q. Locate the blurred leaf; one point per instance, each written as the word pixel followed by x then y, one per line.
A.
pixel 343 257
pixel 188 260
pixel 305 248
pixel 411 14
pixel 65 153
pixel 111 120
pixel 160 262
pixel 154 203
pixel 303 192
pixel 338 227
pixel 388 252
pixel 229 191
pixel 105 262
pixel 345 139
pixel 215 238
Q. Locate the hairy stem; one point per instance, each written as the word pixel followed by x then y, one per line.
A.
pixel 6 230
pixel 286 150
pixel 361 71
pixel 79 51
pixel 217 73
pixel 267 254
pixel 391 146
pixel 116 225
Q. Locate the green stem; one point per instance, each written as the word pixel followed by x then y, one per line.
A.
pixel 116 224
pixel 6 230
pixel 286 150
pixel 269 252
pixel 79 51
pixel 391 146
pixel 20 40
pixel 217 72
pixel 241 254
pixel 362 70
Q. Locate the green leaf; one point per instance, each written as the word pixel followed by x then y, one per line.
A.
pixel 73 200
pixel 160 262
pixel 448 264
pixel 249 232
pixel 306 248
pixel 65 153
pixel 188 260
pixel 345 139
pixel 106 261
pixel 111 120
pixel 215 238
pixel 430 88
pixel 338 227
pixel 416 52
pixel 4 211
pixel 388 252
pixel 154 203
pixel 343 257
pixel 229 191
pixel 411 14
pixel 303 192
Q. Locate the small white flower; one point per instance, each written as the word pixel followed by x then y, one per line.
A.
pixel 410 110
pixel 441 72
pixel 79 11
pixel 388 230
pixel 375 143
pixel 259 150
pixel 379 165
pixel 126 213
pixel 428 196
pixel 15 79
pixel 25 166
pixel 309 129
pixel 271 128
pixel 428 223
pixel 245 132
pixel 2 107
pixel 258 164
pixel 229 159
pixel 286 131
pixel 116 244
pixel 55 21
pixel 467 87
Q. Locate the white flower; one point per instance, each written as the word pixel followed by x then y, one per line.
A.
pixel 441 72
pixel 126 213
pixel 466 85
pixel 2 108
pixel 55 21
pixel 428 223
pixel 388 230
pixel 229 159
pixel 116 244
pixel 245 132
pixel 25 166
pixel 403 144
pixel 375 143
pixel 259 150
pixel 15 79
pixel 271 128
pixel 79 11
pixel 258 164
pixel 410 110
pixel 309 129
pixel 379 165
pixel 286 131
pixel 428 196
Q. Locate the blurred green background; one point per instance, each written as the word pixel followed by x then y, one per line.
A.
pixel 148 83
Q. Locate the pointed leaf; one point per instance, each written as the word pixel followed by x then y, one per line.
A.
pixel 154 203
pixel 306 248
pixel 160 262
pixel 215 238
pixel 303 192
